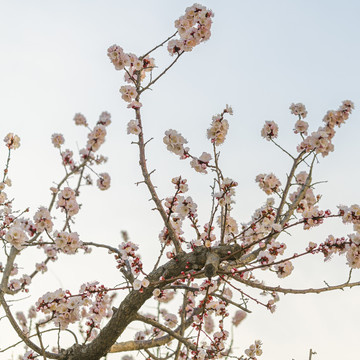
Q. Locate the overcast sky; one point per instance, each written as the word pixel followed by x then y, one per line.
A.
pixel 262 56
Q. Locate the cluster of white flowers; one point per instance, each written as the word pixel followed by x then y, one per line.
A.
pixel 180 184
pixel 193 28
pixel 227 192
pixel 129 257
pixel 298 109
pixel 66 308
pixel 80 119
pixel 219 128
pixel 12 141
pixel 133 127
pixel 174 142
pixel 67 201
pixel 176 224
pixel 200 164
pixel 57 140
pixel 261 224
pixel 320 140
pixel 104 119
pixel 254 350
pixel 16 236
pixel 67 158
pixel 42 219
pixel 128 93
pixel 284 269
pixel 140 284
pixel 186 207
pixel 269 183
pixel 96 138
pixel 270 130
pixel 66 242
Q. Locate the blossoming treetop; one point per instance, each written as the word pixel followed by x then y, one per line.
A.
pixel 204 284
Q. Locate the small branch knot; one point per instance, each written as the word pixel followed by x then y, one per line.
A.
pixel 212 264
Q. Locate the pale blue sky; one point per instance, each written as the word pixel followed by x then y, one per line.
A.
pixel 262 56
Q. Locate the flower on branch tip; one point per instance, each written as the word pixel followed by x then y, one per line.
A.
pixel 12 141
pixel 298 109
pixel 180 184
pixel 270 130
pixel 118 57
pixel 218 130
pixel 193 28
pixel 301 127
pixel 104 119
pixel 57 140
pixel 80 120
pixel 103 181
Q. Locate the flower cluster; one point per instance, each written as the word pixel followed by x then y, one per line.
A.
pixel 200 164
pixel 351 214
pixel 298 109
pixel 270 130
pixel 254 350
pixel 12 141
pixel 269 183
pixel 193 28
pixel 261 224
pixel 133 127
pixel 80 120
pixel 320 140
pixel 174 142
pixel 16 236
pixel 128 257
pixel 66 242
pixel 180 184
pixel 104 119
pixel 66 308
pixel 140 284
pixel 67 201
pixel 186 207
pixel 219 127
pixel 67 158
pixel 350 247
pixel 42 219
pixel 57 140
pixel 176 224
pixel 301 127
pixel 227 192
pixel 284 269
pixel 103 181
pixel 128 93
pixel 96 138
pixel 136 69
